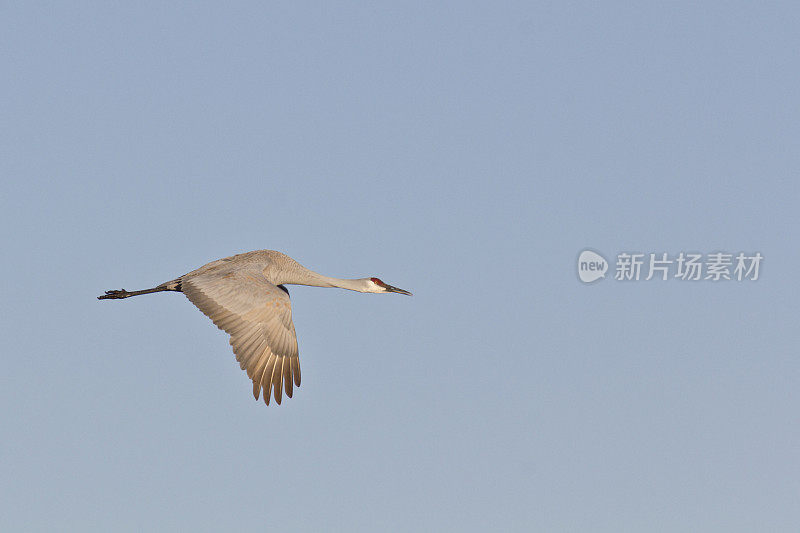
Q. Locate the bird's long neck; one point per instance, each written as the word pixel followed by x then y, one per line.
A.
pixel 304 276
pixel 318 280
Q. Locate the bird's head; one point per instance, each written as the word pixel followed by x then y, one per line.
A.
pixel 377 286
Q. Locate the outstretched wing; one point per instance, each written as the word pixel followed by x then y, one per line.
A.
pixel 258 317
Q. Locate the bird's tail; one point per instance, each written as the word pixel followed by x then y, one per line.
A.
pixel 174 285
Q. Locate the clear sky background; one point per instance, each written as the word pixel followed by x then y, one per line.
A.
pixel 465 151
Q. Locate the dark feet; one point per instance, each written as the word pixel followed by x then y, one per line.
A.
pixel 122 293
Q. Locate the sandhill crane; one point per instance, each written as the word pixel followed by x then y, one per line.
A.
pixel 245 296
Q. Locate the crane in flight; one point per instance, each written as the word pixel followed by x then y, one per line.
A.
pixel 245 296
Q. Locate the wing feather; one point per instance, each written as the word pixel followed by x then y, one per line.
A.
pixel 255 356
pixel 256 369
pixel 266 377
pixel 287 376
pixel 276 379
pixel 296 370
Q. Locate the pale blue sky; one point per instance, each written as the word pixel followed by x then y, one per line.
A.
pixel 465 151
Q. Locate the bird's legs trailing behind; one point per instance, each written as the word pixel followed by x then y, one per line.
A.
pixel 122 293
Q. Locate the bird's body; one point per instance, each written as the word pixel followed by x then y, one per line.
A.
pixel 244 296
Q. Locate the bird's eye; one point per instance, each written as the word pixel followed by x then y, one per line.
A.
pixel 377 281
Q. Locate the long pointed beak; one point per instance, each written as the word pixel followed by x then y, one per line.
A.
pixel 389 288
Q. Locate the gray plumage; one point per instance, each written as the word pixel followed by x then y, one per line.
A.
pixel 243 295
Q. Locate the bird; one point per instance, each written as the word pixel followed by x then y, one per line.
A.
pixel 245 296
